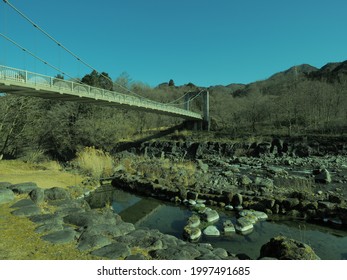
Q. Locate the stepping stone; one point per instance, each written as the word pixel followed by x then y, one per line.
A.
pixel 113 251
pixel 211 231
pixel 211 215
pixel 228 227
pixel 193 221
pixel 6 196
pixel 229 207
pixel 191 233
pixel 244 225
pixel 60 237
pixel 254 215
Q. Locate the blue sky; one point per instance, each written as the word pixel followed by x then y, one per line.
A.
pixel 206 42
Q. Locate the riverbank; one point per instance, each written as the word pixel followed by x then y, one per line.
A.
pixel 273 178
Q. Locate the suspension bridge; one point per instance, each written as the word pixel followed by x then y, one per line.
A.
pixel 26 83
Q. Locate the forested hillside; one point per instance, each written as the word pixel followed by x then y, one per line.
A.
pixel 300 100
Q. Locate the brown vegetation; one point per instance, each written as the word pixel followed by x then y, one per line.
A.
pixel 301 100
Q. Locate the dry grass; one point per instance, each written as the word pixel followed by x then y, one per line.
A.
pixel 94 162
pixel 20 242
pixel 45 175
pixel 161 168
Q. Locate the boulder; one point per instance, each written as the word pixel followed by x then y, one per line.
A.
pixel 191 233
pixel 37 195
pixel 193 221
pixel 211 231
pixel 23 188
pixel 49 227
pixel 6 196
pixel 23 203
pixel 183 252
pixel 26 208
pixel 244 225
pixel 147 239
pixel 56 193
pixel 60 237
pixel 92 218
pixel 228 227
pixel 322 176
pixel 113 251
pixel 237 200
pixel 210 215
pixel 93 242
pixel 284 248
pixel 253 215
pixel 229 207
pixel 5 185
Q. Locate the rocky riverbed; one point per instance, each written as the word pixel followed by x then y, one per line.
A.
pixel 264 180
pixel 304 180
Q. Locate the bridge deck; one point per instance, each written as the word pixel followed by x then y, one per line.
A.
pixel 25 83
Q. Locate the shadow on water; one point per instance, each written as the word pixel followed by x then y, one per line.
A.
pixel 328 243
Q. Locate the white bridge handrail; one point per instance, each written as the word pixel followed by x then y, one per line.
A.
pixel 76 88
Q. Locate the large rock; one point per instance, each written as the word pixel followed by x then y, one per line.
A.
pixel 193 221
pixel 237 200
pixel 191 233
pixel 109 230
pixel 92 218
pixel 211 231
pixel 37 195
pixel 244 225
pixel 23 188
pixel 113 251
pixel 60 237
pixel 184 252
pixel 146 239
pixel 253 215
pixel 210 215
pixel 322 176
pixel 26 208
pixel 6 196
pixel 284 248
pixel 5 185
pixel 93 242
pixel 228 227
pixel 56 193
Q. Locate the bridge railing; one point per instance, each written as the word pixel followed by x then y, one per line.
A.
pixel 40 81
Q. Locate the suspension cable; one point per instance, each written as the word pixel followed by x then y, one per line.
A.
pixel 69 51
pixel 79 59
pixel 35 56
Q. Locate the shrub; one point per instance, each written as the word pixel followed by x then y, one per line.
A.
pixel 94 162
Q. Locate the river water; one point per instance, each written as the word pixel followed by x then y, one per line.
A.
pixel 329 244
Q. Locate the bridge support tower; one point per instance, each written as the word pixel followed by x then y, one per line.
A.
pixel 205 108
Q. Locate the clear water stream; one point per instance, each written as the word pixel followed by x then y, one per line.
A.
pixel 329 244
